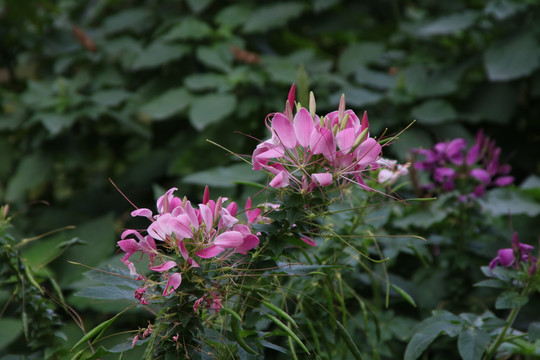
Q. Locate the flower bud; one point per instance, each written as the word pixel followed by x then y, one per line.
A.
pixel 341 109
pixel 343 123
pixel 360 139
pixel 312 104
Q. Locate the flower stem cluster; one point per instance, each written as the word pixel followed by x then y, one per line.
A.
pixel 450 166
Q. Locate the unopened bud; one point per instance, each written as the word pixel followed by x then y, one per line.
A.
pixel 321 121
pixel 312 104
pixel 288 111
pixel 344 122
pixel 335 129
pixel 360 139
pixel 341 109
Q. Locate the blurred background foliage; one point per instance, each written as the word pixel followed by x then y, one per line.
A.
pixel 130 91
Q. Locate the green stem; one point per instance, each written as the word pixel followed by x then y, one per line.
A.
pixel 509 321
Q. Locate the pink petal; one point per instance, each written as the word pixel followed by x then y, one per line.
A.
pixel 164 201
pixel 506 257
pixel 129 246
pixel 211 251
pixel 229 239
pixel 504 180
pixel 284 130
pixel 365 122
pixel 207 216
pixel 481 175
pixel 280 180
pixel 345 139
pixel 232 208
pixel 167 265
pixel 142 212
pixel 303 127
pixel 250 241
pixel 308 240
pixel 131 232
pixel 322 179
pixel 173 283
pixel 322 142
pixel 367 152
pixel 181 226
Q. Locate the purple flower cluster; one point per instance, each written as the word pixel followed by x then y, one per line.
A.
pixel 451 165
pixel 516 255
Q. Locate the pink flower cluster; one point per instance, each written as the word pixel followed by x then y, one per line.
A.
pixel 447 162
pixel 209 230
pixel 306 151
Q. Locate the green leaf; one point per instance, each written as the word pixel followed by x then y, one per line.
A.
pixel 32 172
pixel 218 56
pixel 492 283
pixel 112 275
pixel 288 331
pixel 376 79
pixel 434 112
pixel 349 341
pixel 356 56
pixel 130 19
pixel 296 269
pixel 167 104
pixel 472 343
pixel 109 292
pixel 209 109
pixel 96 331
pixel 356 96
pixel 110 97
pixel 10 329
pixel 55 122
pixel 233 15
pixel 504 201
pixel 510 300
pixel 158 54
pixel 198 5
pixel 534 331
pixel 188 29
pixel 503 9
pixel 513 57
pixel 448 24
pixel 224 176
pixel 421 340
pixel 207 81
pixel 268 17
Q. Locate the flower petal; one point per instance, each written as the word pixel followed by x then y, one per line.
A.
pixel 280 180
pixel 211 251
pixel 173 283
pixel 303 127
pixel 167 265
pixel 284 130
pixel 229 239
pixel 323 179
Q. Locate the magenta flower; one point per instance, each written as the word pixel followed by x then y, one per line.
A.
pixel 515 255
pixel 451 166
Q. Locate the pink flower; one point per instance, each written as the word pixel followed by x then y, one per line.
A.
pixel 174 281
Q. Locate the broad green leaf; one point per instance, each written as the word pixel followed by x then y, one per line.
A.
pixel 472 343
pixel 376 79
pixel 504 201
pixel 40 252
pixel 167 104
pixel 158 54
pixel 233 15
pixel 448 24
pixel 356 56
pixel 494 103
pixel 420 219
pixel 437 82
pixel 209 109
pixel 421 340
pixel 130 19
pixel 502 9
pixel 31 173
pixel 188 29
pixel 492 283
pixel 224 176
pixel 280 70
pixel 512 57
pixel 267 17
pixel 108 292
pixel 358 97
pixel 207 81
pixel 110 97
pixel 434 112
pixel 198 5
pixel 10 329
pixel 112 275
pixel 321 5
pixel 510 300
pixel 218 56
pixel 55 122
pixel 534 331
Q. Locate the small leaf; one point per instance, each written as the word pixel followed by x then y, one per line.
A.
pixel 357 96
pixel 167 104
pixel 218 56
pixel 198 5
pixel 492 283
pixel 472 343
pixel 233 15
pixel 224 176
pixel 504 201
pixel 209 109
pixel 356 56
pixel 110 97
pixel 130 19
pixel 188 29
pixel 31 173
pixel 510 300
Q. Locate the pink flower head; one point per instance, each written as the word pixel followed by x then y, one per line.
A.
pixel 174 281
pixel 306 152
pixel 518 253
